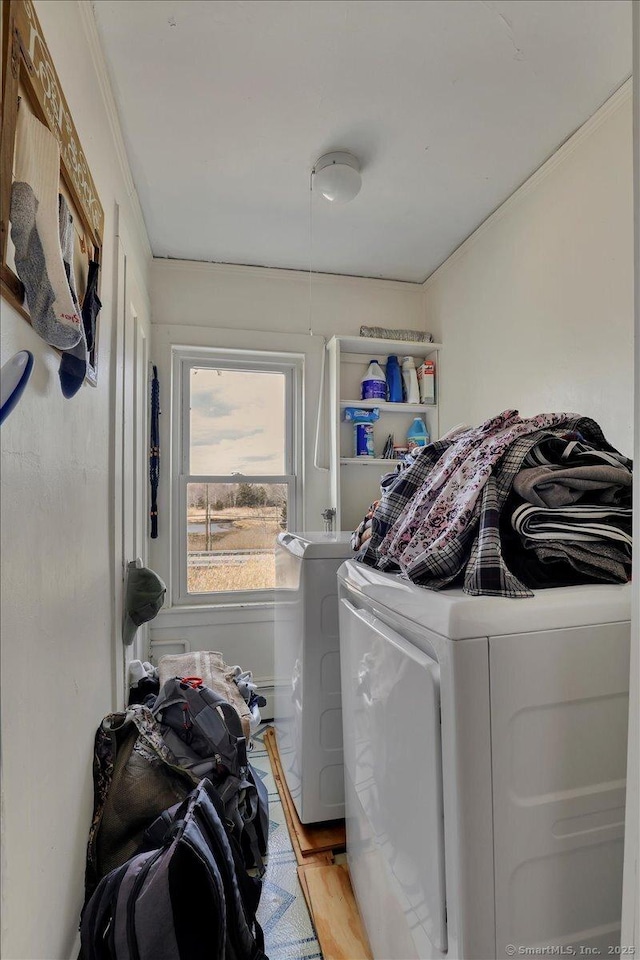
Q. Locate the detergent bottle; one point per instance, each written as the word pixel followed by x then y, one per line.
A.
pixel 410 380
pixel 374 384
pixel 394 380
pixel 417 434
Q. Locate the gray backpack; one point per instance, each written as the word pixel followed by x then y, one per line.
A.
pixel 204 733
pixel 184 896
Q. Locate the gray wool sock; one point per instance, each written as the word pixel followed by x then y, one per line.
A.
pixel 73 365
pixel 34 231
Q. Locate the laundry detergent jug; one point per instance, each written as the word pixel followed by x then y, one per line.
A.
pixel 374 384
pixel 417 434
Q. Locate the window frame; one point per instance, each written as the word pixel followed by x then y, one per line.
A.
pixel 185 360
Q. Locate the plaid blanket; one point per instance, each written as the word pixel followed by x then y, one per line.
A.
pixel 439 520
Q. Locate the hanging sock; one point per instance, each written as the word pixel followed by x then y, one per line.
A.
pixel 34 231
pixel 67 243
pixel 73 365
pixel 91 305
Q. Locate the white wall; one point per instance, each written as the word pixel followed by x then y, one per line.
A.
pixel 278 301
pixel 57 613
pixel 536 311
pixel 199 304
pixel 536 308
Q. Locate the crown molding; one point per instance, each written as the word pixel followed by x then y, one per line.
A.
pixel 621 97
pixel 90 27
pixel 282 274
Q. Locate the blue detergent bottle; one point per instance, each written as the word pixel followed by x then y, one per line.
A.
pixel 394 380
pixel 417 434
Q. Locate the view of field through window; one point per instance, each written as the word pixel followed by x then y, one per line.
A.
pixel 231 532
pixel 237 428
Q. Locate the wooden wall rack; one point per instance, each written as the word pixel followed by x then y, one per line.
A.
pixel 28 72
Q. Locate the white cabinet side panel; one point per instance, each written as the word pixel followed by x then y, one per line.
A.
pixel 559 704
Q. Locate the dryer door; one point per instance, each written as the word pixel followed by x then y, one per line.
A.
pixel 393 782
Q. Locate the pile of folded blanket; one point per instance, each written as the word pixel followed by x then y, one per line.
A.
pixel 510 505
pixel 570 514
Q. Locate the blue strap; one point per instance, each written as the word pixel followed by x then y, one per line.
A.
pixel 154 452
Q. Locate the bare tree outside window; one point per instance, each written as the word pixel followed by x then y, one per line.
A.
pixel 239 438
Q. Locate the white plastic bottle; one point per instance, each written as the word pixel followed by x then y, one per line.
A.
pixel 374 383
pixel 410 380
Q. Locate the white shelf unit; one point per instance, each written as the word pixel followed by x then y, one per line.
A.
pixel 355 481
pixel 367 461
pixel 386 407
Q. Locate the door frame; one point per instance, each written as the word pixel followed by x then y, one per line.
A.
pixel 129 451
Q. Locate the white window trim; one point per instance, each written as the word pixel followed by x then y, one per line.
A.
pixel 184 358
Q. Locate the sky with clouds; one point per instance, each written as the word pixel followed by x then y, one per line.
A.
pixel 237 422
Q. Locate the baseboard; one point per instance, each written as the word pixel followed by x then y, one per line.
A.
pixel 267 687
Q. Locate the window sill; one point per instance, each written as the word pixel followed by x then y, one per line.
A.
pixel 191 614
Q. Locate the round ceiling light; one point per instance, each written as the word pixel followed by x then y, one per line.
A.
pixel 337 176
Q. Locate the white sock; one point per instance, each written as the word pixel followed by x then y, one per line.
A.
pixel 73 365
pixel 35 233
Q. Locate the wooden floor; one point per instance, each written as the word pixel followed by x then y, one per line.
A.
pixel 325 883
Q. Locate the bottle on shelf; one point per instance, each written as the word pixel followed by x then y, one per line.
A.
pixel 410 380
pixel 427 381
pixel 394 380
pixel 417 434
pixel 374 383
pixel 364 440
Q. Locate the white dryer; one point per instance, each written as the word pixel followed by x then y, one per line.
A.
pixel 308 701
pixel 485 761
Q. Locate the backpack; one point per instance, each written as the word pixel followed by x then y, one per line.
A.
pixel 135 778
pixel 205 735
pixel 184 896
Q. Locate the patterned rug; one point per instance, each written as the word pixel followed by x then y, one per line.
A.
pixel 283 913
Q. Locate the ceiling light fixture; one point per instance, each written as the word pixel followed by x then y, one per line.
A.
pixel 337 176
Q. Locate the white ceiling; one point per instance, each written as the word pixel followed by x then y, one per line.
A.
pixel 449 104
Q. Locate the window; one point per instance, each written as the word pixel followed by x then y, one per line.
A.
pixel 238 471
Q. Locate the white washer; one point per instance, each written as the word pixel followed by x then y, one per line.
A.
pixel 308 702
pixel 485 762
